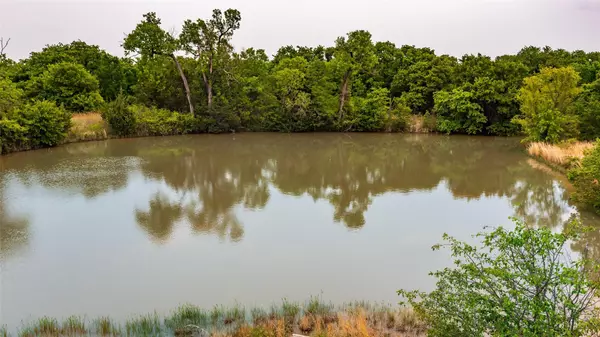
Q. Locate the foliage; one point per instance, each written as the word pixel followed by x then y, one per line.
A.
pixel 120 118
pixel 519 282
pixel 33 125
pixel 547 105
pixel 373 111
pixel 457 113
pixel 161 122
pixel 13 136
pixel 114 74
pixel 398 119
pixel 208 42
pixel 353 84
pixel 586 179
pixel 588 111
pixel 46 123
pixel 11 97
pixel 148 39
pixel 69 85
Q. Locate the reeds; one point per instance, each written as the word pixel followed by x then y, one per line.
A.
pixel 564 155
pixel 314 318
pixel 87 126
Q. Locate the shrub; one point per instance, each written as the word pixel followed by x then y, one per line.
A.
pixel 11 97
pixel 457 113
pixel 46 123
pixel 588 108
pixel 119 117
pixel 520 282
pixel 430 122
pixel 70 85
pixel 161 122
pixel 372 110
pixel 547 105
pixel 586 179
pixel 399 118
pixel 13 136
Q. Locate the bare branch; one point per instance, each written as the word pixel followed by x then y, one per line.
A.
pixel 3 45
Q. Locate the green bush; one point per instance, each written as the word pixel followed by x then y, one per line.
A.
pixel 119 117
pixel 12 136
pixel 399 116
pixel 70 85
pixel 520 282
pixel 372 111
pixel 46 123
pixel 161 122
pixel 588 110
pixel 457 113
pixel 11 97
pixel 586 179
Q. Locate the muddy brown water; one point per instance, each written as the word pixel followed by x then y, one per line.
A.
pixel 132 226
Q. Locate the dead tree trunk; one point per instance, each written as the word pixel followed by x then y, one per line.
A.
pixel 185 83
pixel 343 95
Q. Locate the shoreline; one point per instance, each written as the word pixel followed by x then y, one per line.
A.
pixel 560 157
pixel 311 318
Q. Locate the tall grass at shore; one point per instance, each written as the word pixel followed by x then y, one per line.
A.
pixel 87 126
pixel 566 155
pixel 313 318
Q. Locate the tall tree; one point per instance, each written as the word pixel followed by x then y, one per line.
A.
pixel 149 40
pixel 547 105
pixel 353 54
pixel 207 40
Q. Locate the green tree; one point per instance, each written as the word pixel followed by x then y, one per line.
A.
pixel 149 40
pixel 207 41
pixel 114 75
pixel 588 110
pixel 372 111
pixel 586 179
pixel 520 282
pixel 457 113
pixel 420 75
pixel 353 55
pixel 547 105
pixel 251 95
pixel 289 80
pixel 70 85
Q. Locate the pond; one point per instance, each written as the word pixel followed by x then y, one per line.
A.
pixel 132 226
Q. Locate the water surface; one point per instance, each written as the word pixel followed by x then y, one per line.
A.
pixel 131 226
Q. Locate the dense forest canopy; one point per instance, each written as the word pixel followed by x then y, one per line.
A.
pixel 354 84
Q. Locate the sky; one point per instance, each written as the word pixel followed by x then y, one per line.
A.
pixel 455 27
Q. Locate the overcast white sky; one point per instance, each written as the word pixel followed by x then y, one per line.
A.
pixel 455 27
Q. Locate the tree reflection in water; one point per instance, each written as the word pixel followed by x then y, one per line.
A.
pixel 347 171
pixel 14 230
pixel 209 176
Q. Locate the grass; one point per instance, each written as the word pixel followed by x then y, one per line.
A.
pixel 564 156
pixel 104 326
pixel 422 124
pixel 146 325
pixel 314 318
pixel 87 126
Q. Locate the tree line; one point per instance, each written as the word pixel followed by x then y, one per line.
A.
pixel 195 81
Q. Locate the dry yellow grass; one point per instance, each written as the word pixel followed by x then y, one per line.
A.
pixel 355 322
pixel 564 155
pixel 87 126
